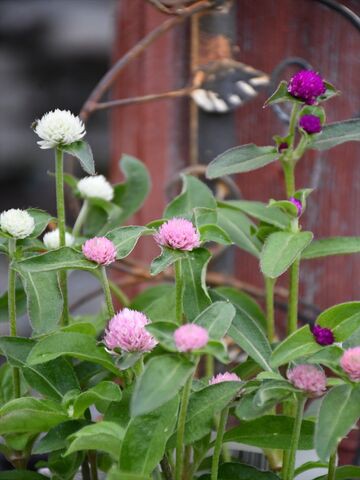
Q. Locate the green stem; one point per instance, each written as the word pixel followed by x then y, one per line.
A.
pixel 181 429
pixel 270 313
pixel 289 176
pixel 289 472
pixel 107 291
pixel 60 205
pixel 139 367
pixel 209 365
pixel 93 465
pixel 178 293
pixel 293 297
pixel 81 218
pixel 218 443
pixel 293 122
pixel 12 311
pixel 119 294
pixel 332 467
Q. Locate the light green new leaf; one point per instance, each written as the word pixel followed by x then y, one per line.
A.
pixel 337 133
pixel 326 247
pixel 241 159
pixel 339 412
pixel 280 250
pixel 260 211
pixel 342 319
pixel 82 151
pixel 160 381
pixel 102 392
pixel 145 439
pixel 126 238
pixel 217 319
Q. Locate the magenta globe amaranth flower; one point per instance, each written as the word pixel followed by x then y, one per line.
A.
pixel 307 86
pixel 310 123
pixel 224 377
pixel 179 234
pixel 190 337
pixel 297 204
pixel 126 331
pixel 323 336
pixel 308 378
pixel 100 250
pixel 350 363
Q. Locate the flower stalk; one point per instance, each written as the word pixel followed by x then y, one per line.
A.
pixel 332 467
pixel 107 291
pixel 12 311
pixel 218 443
pixel 178 292
pixel 290 468
pixel 81 219
pixel 181 429
pixel 270 313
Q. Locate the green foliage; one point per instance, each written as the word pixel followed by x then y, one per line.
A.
pixel 216 319
pixel 82 151
pixel 337 133
pixel 126 238
pixel 326 247
pixel 239 471
pixel 158 303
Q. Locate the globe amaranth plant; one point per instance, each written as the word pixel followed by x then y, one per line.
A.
pixel 121 393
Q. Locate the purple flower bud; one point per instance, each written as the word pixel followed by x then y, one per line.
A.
pixel 323 336
pixel 310 123
pixel 283 146
pixel 297 204
pixel 306 85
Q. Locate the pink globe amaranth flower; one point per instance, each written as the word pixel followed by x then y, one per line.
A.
pixel 297 204
pixel 350 363
pixel 323 336
pixel 308 378
pixel 224 377
pixel 100 250
pixel 310 123
pixel 190 337
pixel 306 85
pixel 126 330
pixel 179 234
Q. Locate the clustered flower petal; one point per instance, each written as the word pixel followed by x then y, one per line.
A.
pixel 96 186
pixel 308 378
pixel 224 377
pixel 16 222
pixel 323 336
pixel 306 85
pixel 179 234
pixel 350 363
pixel 297 204
pixel 310 123
pixel 51 239
pixel 126 330
pixel 100 250
pixel 190 337
pixel 59 127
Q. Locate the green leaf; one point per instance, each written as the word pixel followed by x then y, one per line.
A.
pixel 280 250
pixel 102 392
pixel 284 205
pixel 63 258
pixel 77 345
pixel 20 298
pixel 167 257
pixel 104 436
pixel 339 412
pixel 102 216
pixel 115 474
pixel 271 431
pixel 125 238
pixel 145 439
pixel 239 227
pixel 82 151
pixel 326 247
pixel 214 233
pixel 216 349
pixel 337 133
pixel 309 466
pixel 56 438
pixel 164 333
pixel 241 159
pixel 29 414
pixel 239 471
pixel 131 194
pixel 44 300
pixel 160 381
pixel 271 392
pixel 41 219
pixel 21 475
pixel 346 472
pixel 204 216
pixel 158 303
pixel 246 410
pixel 298 344
pixel 342 319
pixel 260 211
pixel 194 194
pixel 281 95
pixel 6 384
pixel 216 319
pixel 195 294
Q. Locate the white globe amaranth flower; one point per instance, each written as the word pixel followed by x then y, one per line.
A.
pixel 59 127
pixel 51 239
pixel 96 187
pixel 18 223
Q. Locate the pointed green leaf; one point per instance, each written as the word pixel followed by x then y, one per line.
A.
pixel 337 133
pixel 158 303
pixel 281 95
pixel 126 238
pixel 102 392
pixel 217 319
pixel 56 438
pixel 214 233
pixel 41 219
pixel 239 471
pixel 346 472
pixel 82 151
pixel 325 247
pixel 195 295
pixel 342 319
pixel 260 211
pixel 167 258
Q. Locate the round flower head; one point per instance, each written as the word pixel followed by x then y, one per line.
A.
pixel 306 85
pixel 96 186
pixel 310 123
pixel 297 204
pixel 190 337
pixel 59 127
pixel 100 250
pixel 51 240
pixel 350 363
pixel 308 378
pixel 224 377
pixel 127 331
pixel 18 223
pixel 323 336
pixel 179 234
